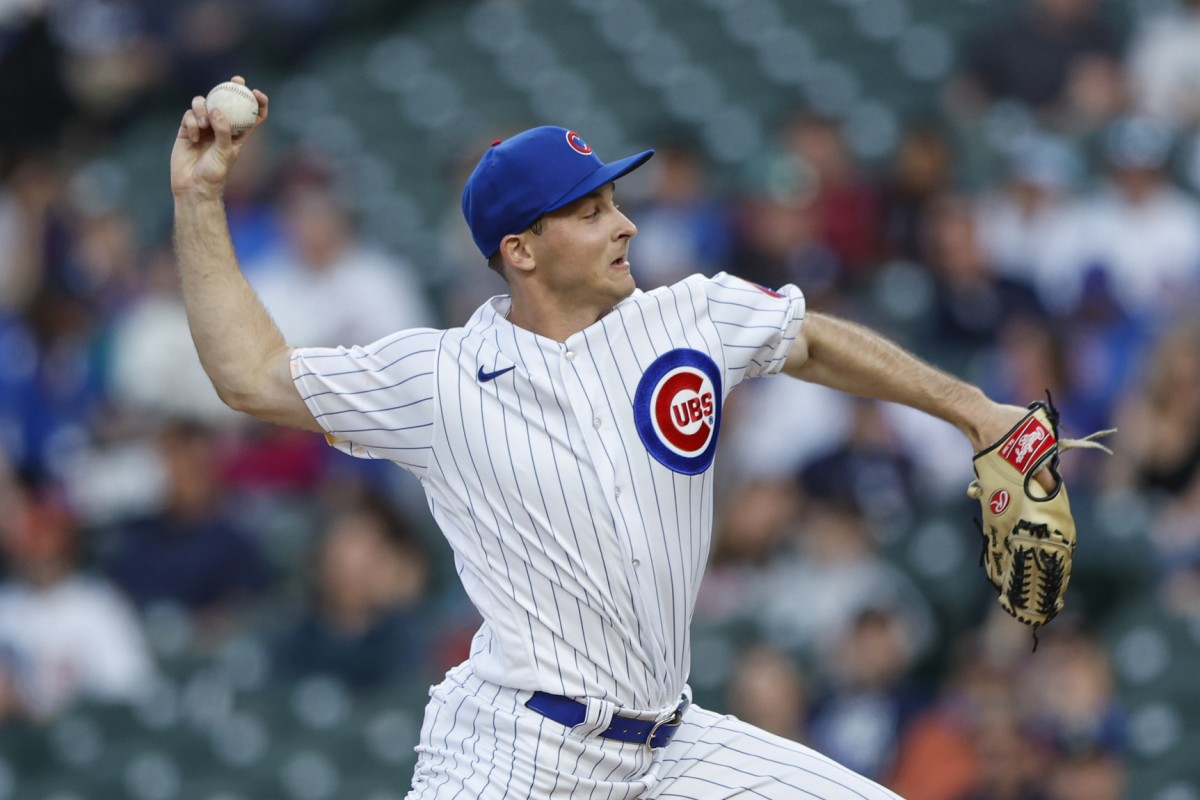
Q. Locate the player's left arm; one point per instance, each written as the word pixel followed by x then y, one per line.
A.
pixel 846 356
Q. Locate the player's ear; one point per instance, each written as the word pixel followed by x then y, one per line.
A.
pixel 516 252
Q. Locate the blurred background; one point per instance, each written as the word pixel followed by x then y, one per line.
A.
pixel 194 605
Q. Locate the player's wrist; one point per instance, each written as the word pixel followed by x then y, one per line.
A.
pixel 199 198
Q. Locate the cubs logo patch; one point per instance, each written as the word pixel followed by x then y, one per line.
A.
pixel 578 144
pixel 677 409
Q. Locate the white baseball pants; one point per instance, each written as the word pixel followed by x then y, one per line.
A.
pixel 480 741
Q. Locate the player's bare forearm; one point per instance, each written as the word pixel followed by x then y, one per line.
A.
pixel 851 358
pixel 240 347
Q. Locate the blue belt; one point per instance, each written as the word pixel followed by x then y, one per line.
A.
pixel 570 713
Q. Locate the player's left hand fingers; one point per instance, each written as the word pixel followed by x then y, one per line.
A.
pixel 1045 479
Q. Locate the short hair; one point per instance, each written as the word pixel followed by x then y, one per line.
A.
pixel 496 262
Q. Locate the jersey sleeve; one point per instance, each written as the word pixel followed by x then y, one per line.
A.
pixel 757 326
pixel 375 401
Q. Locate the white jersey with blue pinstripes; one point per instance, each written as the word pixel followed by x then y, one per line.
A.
pixel 572 480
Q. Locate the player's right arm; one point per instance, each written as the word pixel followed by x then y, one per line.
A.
pixel 240 346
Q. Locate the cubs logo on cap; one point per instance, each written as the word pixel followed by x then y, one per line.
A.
pixel 677 410
pixel 578 144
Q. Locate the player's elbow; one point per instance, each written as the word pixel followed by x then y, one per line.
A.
pixel 799 362
pixel 270 396
pixel 239 400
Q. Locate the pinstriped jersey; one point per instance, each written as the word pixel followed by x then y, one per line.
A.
pixel 573 480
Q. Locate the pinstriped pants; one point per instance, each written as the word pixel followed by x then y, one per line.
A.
pixel 479 741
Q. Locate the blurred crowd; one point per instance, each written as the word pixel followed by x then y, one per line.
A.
pixel 1060 255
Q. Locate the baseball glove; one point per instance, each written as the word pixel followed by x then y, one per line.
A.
pixel 1028 533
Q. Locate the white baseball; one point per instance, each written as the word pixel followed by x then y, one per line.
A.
pixel 236 102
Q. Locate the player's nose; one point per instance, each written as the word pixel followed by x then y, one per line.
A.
pixel 625 227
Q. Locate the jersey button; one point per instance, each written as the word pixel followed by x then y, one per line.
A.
pixel 636 563
pixel 596 422
pixel 570 355
pixel 617 491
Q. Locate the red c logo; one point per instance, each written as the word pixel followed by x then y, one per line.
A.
pixel 683 409
pixel 578 144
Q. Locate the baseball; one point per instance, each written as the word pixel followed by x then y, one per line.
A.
pixel 236 102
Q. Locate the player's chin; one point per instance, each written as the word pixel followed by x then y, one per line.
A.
pixel 622 277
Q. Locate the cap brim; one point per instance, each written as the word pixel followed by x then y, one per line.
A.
pixel 601 177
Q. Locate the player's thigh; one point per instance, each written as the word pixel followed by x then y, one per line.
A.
pixel 716 756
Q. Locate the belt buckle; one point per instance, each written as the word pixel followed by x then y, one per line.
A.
pixel 676 718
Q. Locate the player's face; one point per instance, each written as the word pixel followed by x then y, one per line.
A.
pixel 582 254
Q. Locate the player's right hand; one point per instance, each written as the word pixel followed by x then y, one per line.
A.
pixel 205 149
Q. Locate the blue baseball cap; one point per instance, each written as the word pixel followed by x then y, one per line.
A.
pixel 537 171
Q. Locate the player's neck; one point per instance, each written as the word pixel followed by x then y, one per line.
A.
pixel 551 320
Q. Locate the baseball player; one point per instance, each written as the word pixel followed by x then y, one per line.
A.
pixel 564 437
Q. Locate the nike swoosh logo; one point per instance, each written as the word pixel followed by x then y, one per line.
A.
pixel 485 376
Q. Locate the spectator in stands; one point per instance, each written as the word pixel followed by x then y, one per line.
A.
pixel 66 635
pixel 112 58
pixel 762 438
pixel 28 48
pixel 920 171
pixel 31 196
pixel 325 284
pixel 194 552
pixel 1023 218
pixel 835 572
pixel 153 368
pixel 778 237
pixel 847 203
pixel 1164 64
pixel 368 621
pixel 1160 418
pixel 1030 53
pixel 1138 237
pixel 870 469
pixel 51 388
pixel 1159 452
pixel 755 525
pixel 867 698
pixel 1097 774
pixel 254 224
pixel 770 691
pixel 971 301
pixel 1072 706
pixel 972 743
pixel 683 227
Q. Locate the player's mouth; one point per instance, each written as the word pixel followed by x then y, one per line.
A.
pixel 621 263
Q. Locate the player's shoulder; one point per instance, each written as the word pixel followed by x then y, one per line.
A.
pixel 721 285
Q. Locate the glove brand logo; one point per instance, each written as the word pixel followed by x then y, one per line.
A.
pixel 999 501
pixel 1027 445
pixel 677 408
pixel 578 144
